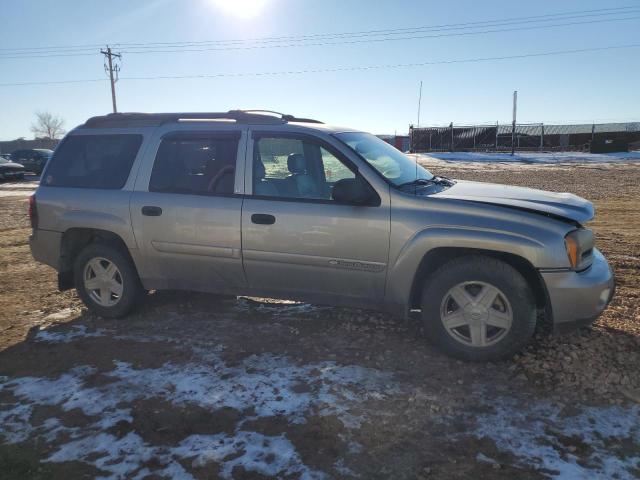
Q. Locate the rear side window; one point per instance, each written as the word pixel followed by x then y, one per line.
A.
pixel 93 161
pixel 195 165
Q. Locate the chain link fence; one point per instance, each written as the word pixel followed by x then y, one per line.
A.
pixel 596 137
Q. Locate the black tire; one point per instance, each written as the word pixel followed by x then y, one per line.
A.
pixel 497 274
pixel 132 290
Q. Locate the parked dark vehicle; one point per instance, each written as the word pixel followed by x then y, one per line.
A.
pixel 10 170
pixel 33 159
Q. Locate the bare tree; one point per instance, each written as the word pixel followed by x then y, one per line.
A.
pixel 47 125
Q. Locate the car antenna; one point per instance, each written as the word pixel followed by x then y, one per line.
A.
pixel 415 186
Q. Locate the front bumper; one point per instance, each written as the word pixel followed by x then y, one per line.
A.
pixel 578 298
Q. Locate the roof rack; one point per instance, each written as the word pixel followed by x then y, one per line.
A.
pixel 154 119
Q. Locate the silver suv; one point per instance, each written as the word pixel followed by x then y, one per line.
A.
pixel 254 203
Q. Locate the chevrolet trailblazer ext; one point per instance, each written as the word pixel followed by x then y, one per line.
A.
pixel 252 203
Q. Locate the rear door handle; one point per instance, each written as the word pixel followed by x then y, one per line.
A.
pixel 151 211
pixel 263 219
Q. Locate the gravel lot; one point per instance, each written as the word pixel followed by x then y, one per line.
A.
pixel 194 386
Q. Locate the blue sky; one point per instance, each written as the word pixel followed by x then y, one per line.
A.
pixel 582 87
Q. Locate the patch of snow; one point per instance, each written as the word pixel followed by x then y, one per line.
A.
pixel 342 469
pixel 61 315
pixel 266 385
pixel 532 432
pixel 280 307
pixel 535 157
pixel 14 423
pixel 17 189
pixel 76 331
pixel 267 455
pixel 481 457
pixel 15 193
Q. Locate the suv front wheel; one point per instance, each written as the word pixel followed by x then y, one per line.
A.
pixel 106 281
pixel 478 308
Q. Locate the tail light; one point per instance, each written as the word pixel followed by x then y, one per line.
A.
pixel 33 211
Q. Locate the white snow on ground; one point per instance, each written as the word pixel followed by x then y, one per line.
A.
pixel 594 442
pixel 62 314
pixel 19 189
pixel 283 308
pixel 268 455
pixel 532 433
pixel 76 331
pixel 264 385
pixel 535 157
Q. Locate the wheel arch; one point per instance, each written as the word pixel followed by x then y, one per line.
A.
pixel 439 256
pixel 74 240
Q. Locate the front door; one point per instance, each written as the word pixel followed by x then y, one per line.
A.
pixel 298 242
pixel 186 215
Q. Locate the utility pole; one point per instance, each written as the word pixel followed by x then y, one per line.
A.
pixel 513 126
pixel 111 68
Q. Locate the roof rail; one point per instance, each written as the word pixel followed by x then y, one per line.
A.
pixel 284 116
pixel 155 119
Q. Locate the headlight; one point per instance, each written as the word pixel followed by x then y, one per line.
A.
pixel 579 244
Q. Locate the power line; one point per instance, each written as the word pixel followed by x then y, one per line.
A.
pixel 612 11
pixel 340 69
pixel 374 40
pixel 54 82
pixel 294 37
pixel 342 38
pixel 400 31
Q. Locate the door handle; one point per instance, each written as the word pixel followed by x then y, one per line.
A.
pixel 151 211
pixel 263 219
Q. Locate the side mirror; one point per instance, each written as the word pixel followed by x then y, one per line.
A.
pixel 353 191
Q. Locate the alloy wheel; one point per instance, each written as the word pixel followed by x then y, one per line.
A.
pixel 476 314
pixel 103 281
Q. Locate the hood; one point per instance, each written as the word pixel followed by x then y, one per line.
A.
pixel 11 166
pixel 565 205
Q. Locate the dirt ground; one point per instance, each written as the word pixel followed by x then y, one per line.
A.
pixel 192 386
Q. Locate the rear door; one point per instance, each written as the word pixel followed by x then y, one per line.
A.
pixel 297 241
pixel 186 209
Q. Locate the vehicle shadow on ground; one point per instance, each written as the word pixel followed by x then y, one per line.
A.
pixel 194 385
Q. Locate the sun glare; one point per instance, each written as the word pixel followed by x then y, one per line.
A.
pixel 241 8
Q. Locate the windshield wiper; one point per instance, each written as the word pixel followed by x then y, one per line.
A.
pixel 417 181
pixel 443 181
pixel 435 180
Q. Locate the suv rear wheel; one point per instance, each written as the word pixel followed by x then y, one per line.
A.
pixel 478 308
pixel 106 281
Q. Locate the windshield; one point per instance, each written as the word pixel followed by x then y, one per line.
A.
pixel 394 165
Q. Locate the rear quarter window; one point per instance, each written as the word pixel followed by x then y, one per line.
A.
pixel 93 161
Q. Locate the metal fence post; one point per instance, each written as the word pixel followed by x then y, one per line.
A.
pixel 497 127
pixel 410 138
pixel 513 126
pixel 541 136
pixel 451 127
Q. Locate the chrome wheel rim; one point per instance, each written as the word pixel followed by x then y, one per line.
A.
pixel 476 314
pixel 103 281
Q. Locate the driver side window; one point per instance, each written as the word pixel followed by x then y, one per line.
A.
pixel 295 168
pixel 195 165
